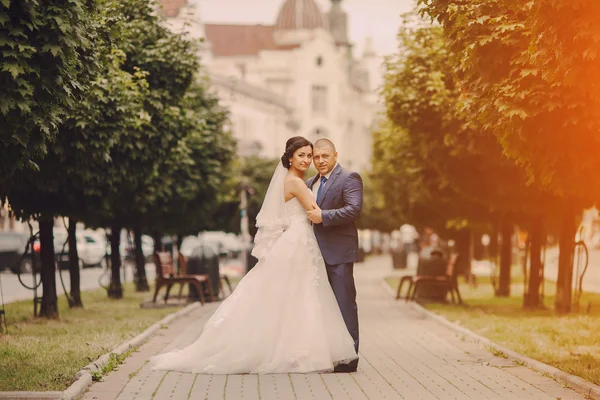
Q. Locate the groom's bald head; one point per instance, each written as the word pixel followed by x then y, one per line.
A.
pixel 325 143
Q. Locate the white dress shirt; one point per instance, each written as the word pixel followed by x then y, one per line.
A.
pixel 317 185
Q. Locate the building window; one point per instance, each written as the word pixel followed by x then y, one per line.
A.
pixel 319 61
pixel 319 99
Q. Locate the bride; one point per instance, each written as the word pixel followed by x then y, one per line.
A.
pixel 283 316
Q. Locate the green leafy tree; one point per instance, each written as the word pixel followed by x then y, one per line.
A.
pixel 193 175
pixel 254 174
pixel 39 192
pixel 374 214
pixel 47 57
pixel 456 171
pixel 421 101
pixel 71 178
pixel 529 94
pixel 169 63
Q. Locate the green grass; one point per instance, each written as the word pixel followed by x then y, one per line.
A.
pixel 570 343
pixel 114 360
pixel 43 355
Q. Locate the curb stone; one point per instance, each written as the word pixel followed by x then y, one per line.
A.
pixel 31 395
pixel 83 378
pixel 578 384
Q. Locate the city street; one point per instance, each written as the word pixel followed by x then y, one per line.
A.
pixel 91 278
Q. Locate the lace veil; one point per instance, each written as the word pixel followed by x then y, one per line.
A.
pixel 272 219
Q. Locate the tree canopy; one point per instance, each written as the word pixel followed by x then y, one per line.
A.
pixel 143 144
pixel 530 90
pixel 47 58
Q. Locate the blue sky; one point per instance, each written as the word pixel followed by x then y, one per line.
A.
pixel 378 18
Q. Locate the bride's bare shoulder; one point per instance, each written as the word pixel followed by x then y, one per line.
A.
pixel 293 180
pixel 294 185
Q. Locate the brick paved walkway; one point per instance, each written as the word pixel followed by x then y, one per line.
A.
pixel 403 356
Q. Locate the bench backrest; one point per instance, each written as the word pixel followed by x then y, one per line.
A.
pixel 182 265
pixel 164 264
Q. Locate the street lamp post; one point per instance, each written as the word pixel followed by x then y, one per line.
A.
pixel 245 190
pixel 246 149
pixel 244 225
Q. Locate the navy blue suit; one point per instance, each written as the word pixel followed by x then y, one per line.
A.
pixel 341 202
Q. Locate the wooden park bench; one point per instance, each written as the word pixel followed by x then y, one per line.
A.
pixel 165 276
pixel 448 281
pixel 222 277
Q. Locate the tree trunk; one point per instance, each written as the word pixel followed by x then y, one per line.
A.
pixel 158 245
pixel 494 244
pixel 533 298
pixel 507 228
pixel 524 257
pixel 115 289
pixel 141 283
pixel 564 284
pixel 464 246
pixel 179 242
pixel 49 307
pixel 74 273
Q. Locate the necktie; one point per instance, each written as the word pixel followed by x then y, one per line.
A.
pixel 320 191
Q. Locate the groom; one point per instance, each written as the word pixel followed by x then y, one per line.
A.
pixel 339 195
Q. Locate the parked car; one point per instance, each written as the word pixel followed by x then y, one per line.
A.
pixel 228 244
pixel 91 247
pixel 12 247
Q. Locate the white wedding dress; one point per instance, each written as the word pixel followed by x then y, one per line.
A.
pixel 282 317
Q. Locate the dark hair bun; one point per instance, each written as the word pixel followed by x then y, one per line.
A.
pixel 285 161
pixel 291 146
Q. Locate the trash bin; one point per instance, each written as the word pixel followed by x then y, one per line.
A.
pixel 432 262
pixel 399 258
pixel 204 260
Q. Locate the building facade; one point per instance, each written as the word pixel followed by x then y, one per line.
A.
pixel 296 77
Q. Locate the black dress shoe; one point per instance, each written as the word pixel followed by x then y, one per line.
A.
pixel 352 366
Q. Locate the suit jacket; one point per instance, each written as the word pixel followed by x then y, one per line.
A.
pixel 341 203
